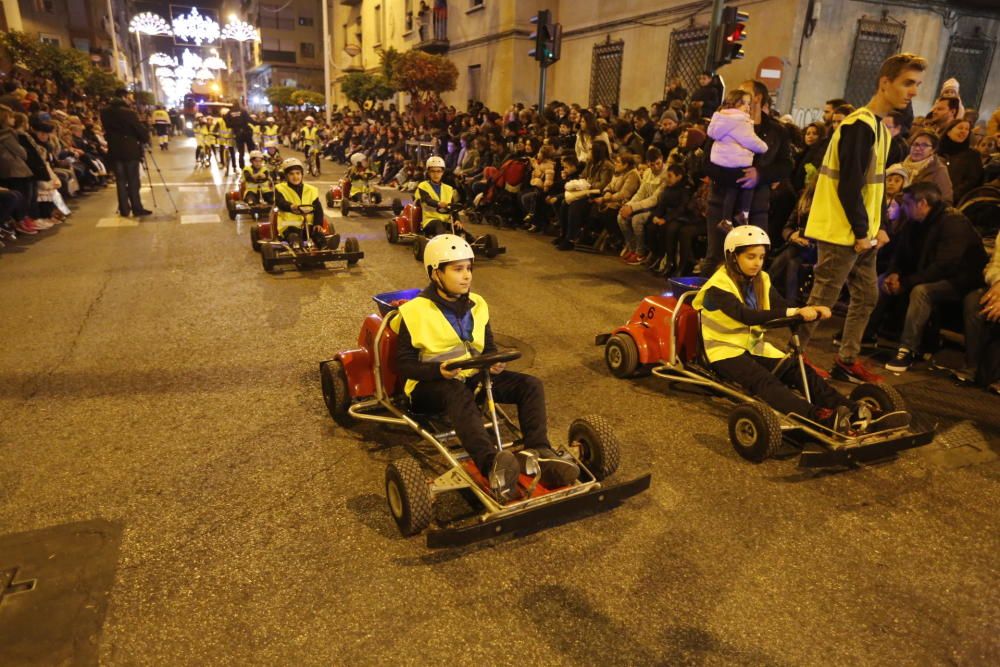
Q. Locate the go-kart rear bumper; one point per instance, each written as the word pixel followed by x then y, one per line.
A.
pixel 317 257
pixel 871 452
pixel 538 514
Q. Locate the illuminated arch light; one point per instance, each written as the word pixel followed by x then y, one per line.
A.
pixel 204 74
pixel 191 59
pixel 240 31
pixel 214 62
pixel 196 28
pixel 162 60
pixel 149 23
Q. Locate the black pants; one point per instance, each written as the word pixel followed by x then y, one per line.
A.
pixel 759 206
pixel 457 400
pixel 244 144
pixel 754 375
pixel 127 183
pixel 10 201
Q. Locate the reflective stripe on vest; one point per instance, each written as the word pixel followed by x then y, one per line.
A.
pixel 827 220
pixel 434 336
pixel 287 219
pixel 432 214
pixel 724 337
pixel 249 175
pixel 310 133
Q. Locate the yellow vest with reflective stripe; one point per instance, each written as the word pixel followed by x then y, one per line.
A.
pixel 310 133
pixel 287 219
pixel 161 116
pixel 269 132
pixel 250 174
pixel 435 338
pixel 724 337
pixel 223 131
pixel 205 136
pixel 827 220
pixel 431 214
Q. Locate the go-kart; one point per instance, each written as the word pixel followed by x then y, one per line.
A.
pixel 251 198
pixel 663 337
pixel 362 383
pixel 303 252
pixel 367 198
pixel 407 227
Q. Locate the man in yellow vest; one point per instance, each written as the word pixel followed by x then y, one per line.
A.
pixel 846 215
pixel 162 124
pixel 434 197
pixel 289 197
pixel 257 179
pixel 447 322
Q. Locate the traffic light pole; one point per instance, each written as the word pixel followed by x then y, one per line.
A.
pixel 543 68
pixel 713 35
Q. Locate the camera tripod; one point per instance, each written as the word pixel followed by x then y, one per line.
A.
pixel 149 175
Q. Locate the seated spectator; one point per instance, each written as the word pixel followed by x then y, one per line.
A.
pixel 633 216
pixel 896 179
pixel 601 228
pixel 939 259
pixel 573 213
pixel 543 177
pixel 669 217
pixel 923 165
pixel 798 250
pixel 982 331
pixel 965 168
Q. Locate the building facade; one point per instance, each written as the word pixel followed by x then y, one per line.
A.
pixel 290 52
pixel 624 53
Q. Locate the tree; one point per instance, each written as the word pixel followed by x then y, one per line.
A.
pixel 360 87
pixel 280 96
pixel 423 75
pixel 101 84
pixel 300 97
pixel 67 68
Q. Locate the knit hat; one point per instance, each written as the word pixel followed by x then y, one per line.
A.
pixel 950 85
pixel 39 125
pixel 669 113
pixel 695 137
pixel 898 170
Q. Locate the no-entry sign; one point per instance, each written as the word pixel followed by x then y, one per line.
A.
pixel 769 71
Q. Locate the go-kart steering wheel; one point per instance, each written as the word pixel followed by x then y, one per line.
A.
pixel 484 361
pixel 305 209
pixel 783 322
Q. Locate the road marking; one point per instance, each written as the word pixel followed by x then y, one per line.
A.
pixel 117 222
pixel 194 188
pixel 200 218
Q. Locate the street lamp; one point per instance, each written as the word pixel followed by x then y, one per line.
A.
pixel 146 23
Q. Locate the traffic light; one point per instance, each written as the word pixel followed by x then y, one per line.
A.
pixel 547 38
pixel 732 33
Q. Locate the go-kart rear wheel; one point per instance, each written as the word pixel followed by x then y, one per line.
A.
pixel 593 441
pixel 397 205
pixel 490 245
pixel 267 258
pixel 755 431
pixel 231 208
pixel 352 245
pixel 409 496
pixel 335 392
pixel 391 232
pixel 880 398
pixel 621 355
pixel 345 206
pixel 330 201
pixel 418 248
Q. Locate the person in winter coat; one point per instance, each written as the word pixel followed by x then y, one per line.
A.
pixel 733 149
pixel 923 164
pixel 15 174
pixel 603 223
pixel 126 136
pixel 965 168
pixel 669 216
pixel 707 96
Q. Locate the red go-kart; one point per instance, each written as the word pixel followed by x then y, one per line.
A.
pixel 362 383
pixel 408 228
pixel 305 253
pixel 663 337
pixel 366 197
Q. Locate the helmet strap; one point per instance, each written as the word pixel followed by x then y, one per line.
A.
pixel 439 284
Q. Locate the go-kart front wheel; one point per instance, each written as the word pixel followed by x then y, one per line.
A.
pixel 880 398
pixel 267 259
pixel 351 245
pixel 621 355
pixel 335 393
pixel 397 206
pixel 231 208
pixel 255 238
pixel 490 246
pixel 755 431
pixel 409 496
pixel 418 248
pixel 391 232
pixel 593 441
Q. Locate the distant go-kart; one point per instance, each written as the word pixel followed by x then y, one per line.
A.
pixel 251 198
pixel 362 383
pixel 366 198
pixel 407 227
pixel 663 337
pixel 302 252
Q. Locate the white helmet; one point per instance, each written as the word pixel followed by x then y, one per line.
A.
pixel 435 161
pixel 198 115
pixel 310 119
pixel 358 158
pixel 445 248
pixel 291 163
pixel 256 155
pixel 745 235
pixel 270 119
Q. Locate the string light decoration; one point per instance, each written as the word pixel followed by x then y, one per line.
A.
pixel 191 59
pixel 194 27
pixel 204 74
pixel 162 60
pixel 164 73
pixel 240 31
pixel 149 23
pixel 214 62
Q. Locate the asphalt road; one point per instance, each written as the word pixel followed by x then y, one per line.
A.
pixel 154 377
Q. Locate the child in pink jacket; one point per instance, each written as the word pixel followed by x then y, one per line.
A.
pixel 733 149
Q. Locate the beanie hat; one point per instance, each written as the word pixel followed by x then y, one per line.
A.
pixel 669 113
pixel 898 170
pixel 950 84
pixel 695 137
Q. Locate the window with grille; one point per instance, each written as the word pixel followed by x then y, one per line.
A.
pixel 475 82
pixel 686 56
pixel 968 60
pixel 875 41
pixel 378 24
pixel 606 73
pixel 307 50
pixel 271 17
pixel 306 21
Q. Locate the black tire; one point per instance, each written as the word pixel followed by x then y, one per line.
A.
pixel 418 248
pixel 330 202
pixel 345 206
pixel 881 398
pixel 599 450
pixel 491 245
pixel 621 355
pixel 397 206
pixel 231 209
pixel 755 431
pixel 255 238
pixel 391 232
pixel 409 496
pixel 267 258
pixel 335 394
pixel 352 245
pixel 494 219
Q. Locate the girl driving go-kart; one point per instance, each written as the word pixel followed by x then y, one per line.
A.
pixel 735 302
pixel 296 202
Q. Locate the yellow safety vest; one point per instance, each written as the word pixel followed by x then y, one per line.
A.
pixel 310 133
pixel 431 214
pixel 161 116
pixel 436 339
pixel 827 220
pixel 249 176
pixel 205 136
pixel 725 337
pixel 270 132
pixel 223 131
pixel 287 219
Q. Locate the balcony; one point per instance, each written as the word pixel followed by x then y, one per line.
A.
pixel 350 3
pixel 436 46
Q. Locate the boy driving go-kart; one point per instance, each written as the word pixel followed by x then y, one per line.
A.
pixel 292 198
pixel 434 197
pixel 446 323
pixel 256 180
pixel 735 302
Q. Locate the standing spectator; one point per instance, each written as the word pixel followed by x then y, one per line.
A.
pixel 846 215
pixel 675 91
pixel 441 20
pixel 950 89
pixel 708 96
pixel 733 148
pixel 829 107
pixel 924 165
pixel 807 164
pixel 126 136
pixel 898 149
pixel 965 168
pixel 944 111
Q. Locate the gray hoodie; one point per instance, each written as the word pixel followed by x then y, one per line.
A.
pixel 12 156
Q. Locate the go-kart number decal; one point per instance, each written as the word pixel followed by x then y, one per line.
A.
pixel 648 315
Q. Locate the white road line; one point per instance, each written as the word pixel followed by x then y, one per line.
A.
pixel 117 222
pixel 200 218
pixel 194 188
